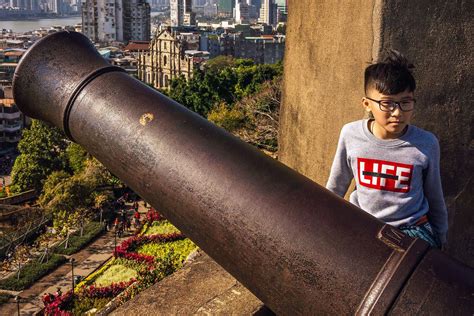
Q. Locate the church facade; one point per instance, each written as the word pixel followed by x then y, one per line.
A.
pixel 165 60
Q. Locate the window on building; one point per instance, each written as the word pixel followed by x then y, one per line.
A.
pixel 164 60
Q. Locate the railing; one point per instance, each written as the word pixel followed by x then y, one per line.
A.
pixel 19 198
pixel 10 116
pixel 295 245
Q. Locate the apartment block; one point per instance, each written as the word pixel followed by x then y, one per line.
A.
pixel 181 13
pixel 116 20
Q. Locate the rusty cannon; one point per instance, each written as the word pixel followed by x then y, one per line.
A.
pixel 296 246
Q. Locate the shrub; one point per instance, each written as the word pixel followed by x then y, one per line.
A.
pixel 76 242
pixel 84 300
pixel 153 216
pixel 85 304
pixel 125 249
pixel 116 273
pixel 31 272
pixel 227 118
pixel 178 250
pixel 161 227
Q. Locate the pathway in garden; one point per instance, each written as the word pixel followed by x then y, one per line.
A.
pixel 86 261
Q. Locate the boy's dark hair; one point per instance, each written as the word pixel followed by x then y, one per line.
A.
pixel 391 75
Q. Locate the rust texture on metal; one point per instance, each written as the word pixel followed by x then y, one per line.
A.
pixel 296 246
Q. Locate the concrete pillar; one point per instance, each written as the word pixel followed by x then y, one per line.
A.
pixel 329 44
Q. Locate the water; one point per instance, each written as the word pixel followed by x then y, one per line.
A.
pixel 30 25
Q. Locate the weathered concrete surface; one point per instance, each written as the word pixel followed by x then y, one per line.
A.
pixel 201 287
pixel 323 81
pixel 328 46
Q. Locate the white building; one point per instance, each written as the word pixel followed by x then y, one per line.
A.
pixel 116 20
pixel 268 12
pixel 242 12
pixel 181 13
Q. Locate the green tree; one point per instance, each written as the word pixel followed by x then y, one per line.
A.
pixel 77 157
pixel 42 151
pixel 254 118
pixel 62 192
pixel 222 79
pixel 66 193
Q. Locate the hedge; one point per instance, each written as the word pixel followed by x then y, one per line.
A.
pixel 30 273
pixel 76 242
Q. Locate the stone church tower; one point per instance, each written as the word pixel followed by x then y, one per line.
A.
pixel 164 61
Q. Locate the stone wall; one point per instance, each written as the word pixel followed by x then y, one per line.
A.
pixel 330 43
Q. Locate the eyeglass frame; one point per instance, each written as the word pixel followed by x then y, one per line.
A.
pixel 392 108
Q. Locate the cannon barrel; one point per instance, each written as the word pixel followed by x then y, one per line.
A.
pixel 296 246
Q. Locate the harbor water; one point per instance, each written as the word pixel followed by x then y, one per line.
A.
pixel 21 26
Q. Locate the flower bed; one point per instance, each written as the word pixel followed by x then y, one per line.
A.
pixel 127 247
pixel 161 227
pixel 116 273
pixel 83 300
pixel 152 257
pixel 177 250
pixel 31 272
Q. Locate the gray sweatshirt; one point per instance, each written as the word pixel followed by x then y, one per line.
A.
pixel 397 180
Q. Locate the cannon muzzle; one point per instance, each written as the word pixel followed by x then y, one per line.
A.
pixel 296 246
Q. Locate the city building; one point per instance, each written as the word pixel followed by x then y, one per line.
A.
pixel 267 49
pixel 166 58
pixel 282 10
pixel 181 13
pixel 242 12
pixel 225 8
pixel 116 20
pixel 210 9
pixel 9 58
pixel 11 121
pixel 136 20
pixel 28 5
pixel 268 12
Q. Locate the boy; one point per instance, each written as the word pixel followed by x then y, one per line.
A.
pixel 395 165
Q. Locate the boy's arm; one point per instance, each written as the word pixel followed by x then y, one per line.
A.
pixel 438 214
pixel 341 172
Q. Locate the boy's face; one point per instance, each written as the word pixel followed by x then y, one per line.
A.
pixel 388 123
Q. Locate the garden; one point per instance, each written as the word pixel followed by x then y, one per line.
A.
pixel 45 258
pixel 138 262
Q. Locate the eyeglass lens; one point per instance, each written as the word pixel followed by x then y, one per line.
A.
pixel 407 105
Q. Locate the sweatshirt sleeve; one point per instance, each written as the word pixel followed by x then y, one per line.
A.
pixel 341 172
pixel 438 214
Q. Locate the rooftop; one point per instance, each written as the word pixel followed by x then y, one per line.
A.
pixel 137 46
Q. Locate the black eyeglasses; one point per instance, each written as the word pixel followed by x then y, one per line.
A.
pixel 389 105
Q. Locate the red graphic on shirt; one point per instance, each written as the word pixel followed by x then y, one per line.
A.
pixel 384 175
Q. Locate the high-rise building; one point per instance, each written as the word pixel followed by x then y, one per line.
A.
pixel 116 20
pixel 29 5
pixel 268 12
pixel 282 10
pixel 243 10
pixel 181 13
pixel 225 7
pixel 136 20
pixel 283 4
pixel 257 4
